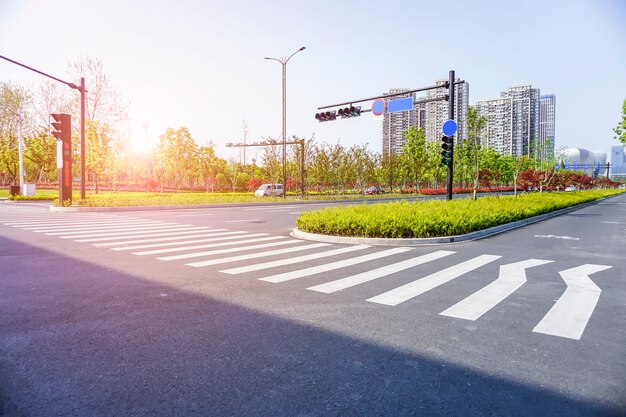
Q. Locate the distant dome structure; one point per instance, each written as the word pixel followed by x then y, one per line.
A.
pixel 583 156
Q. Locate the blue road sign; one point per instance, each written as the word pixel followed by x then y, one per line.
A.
pixel 586 166
pixel 596 166
pixel 575 165
pixel 449 127
pixel 378 107
pixel 566 166
pixel 557 166
pixel 400 104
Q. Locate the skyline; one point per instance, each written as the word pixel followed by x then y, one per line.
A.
pixel 201 66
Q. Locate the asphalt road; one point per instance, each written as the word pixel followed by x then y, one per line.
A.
pixel 159 313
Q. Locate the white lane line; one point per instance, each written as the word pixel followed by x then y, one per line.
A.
pixel 240 221
pixel 203 232
pixel 290 261
pixel 206 238
pixel 151 233
pixel 613 222
pixel 295 212
pixel 367 276
pixel 91 226
pixel 85 229
pixel 208 245
pixel 230 250
pixel 415 288
pixel 287 276
pixel 256 255
pixel 132 231
pixel 569 316
pixel 511 277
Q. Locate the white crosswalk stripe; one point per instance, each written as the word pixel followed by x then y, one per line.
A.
pixel 207 245
pixel 256 255
pixel 101 226
pixel 207 237
pixel 291 261
pixel 202 232
pixel 146 233
pixel 415 288
pixel 378 273
pixel 229 250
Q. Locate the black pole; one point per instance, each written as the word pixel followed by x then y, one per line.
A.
pixel 608 167
pixel 451 117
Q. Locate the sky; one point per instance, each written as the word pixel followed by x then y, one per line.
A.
pixel 199 64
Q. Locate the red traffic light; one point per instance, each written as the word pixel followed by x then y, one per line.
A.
pixel 326 116
pixel 62 127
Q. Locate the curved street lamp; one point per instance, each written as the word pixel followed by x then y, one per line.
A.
pixel 283 61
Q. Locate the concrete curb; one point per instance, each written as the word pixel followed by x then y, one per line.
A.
pixel 440 240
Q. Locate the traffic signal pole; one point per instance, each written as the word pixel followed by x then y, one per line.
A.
pixel 82 90
pixel 451 117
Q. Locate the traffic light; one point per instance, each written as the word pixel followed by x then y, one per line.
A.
pixel 446 145
pixel 63 127
pixel 326 116
pixel 351 111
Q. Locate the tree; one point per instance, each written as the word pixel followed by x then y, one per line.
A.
pixel 13 100
pixel 475 125
pixel 176 154
pixel 416 152
pixel 98 161
pixel 208 163
pixel 620 129
pixel 41 150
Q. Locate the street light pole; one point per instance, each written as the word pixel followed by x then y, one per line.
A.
pixel 283 61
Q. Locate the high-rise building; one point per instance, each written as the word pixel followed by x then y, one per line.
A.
pixel 497 133
pixel 547 106
pixel 394 124
pixel 437 111
pixel 512 121
pixel 618 162
pixel 429 116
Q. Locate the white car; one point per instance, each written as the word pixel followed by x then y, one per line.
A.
pixel 571 188
pixel 269 190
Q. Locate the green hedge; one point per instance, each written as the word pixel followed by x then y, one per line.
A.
pixel 437 218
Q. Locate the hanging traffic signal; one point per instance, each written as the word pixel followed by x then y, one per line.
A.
pixel 62 126
pixel 326 116
pixel 446 145
pixel 351 111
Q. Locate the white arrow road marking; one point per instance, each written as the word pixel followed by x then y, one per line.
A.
pixel 367 276
pixel 512 276
pixel 415 288
pixel 558 237
pixel 568 317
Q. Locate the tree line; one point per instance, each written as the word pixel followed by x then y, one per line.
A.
pixel 178 162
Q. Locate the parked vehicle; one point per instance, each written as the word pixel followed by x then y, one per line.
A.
pixel 269 190
pixel 374 190
pixel 571 188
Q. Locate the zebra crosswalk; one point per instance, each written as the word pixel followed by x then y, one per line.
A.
pixel 277 259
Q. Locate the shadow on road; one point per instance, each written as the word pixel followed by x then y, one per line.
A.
pixel 95 342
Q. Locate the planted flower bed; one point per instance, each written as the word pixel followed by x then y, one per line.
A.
pixel 438 218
